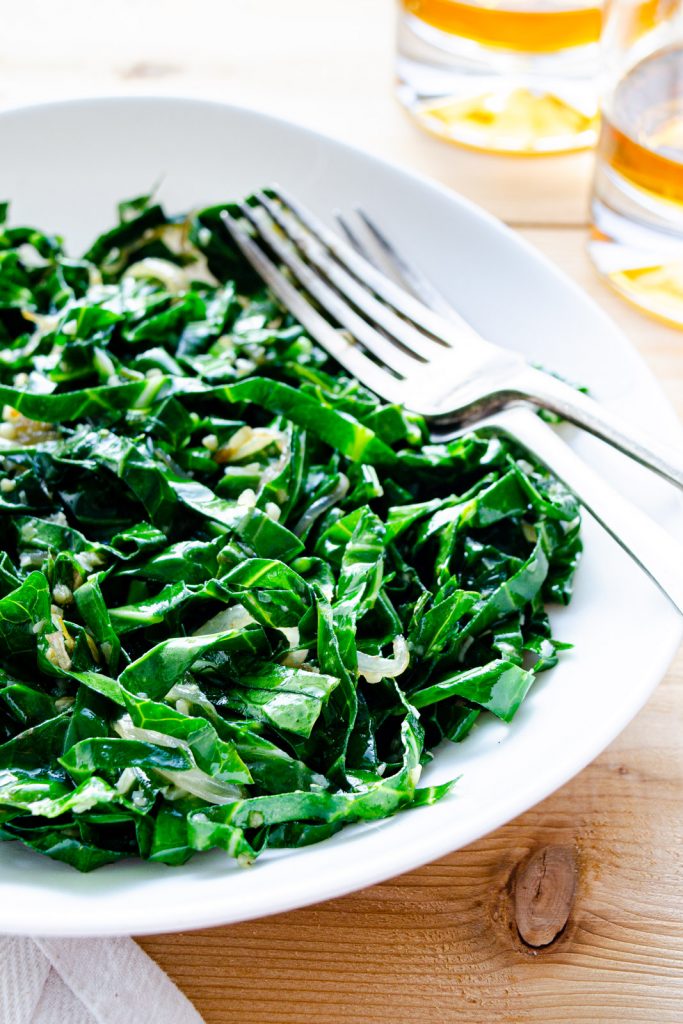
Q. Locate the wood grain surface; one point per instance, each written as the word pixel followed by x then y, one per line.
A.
pixel 440 945
pixel 594 874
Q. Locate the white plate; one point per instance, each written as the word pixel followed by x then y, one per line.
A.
pixel 64 167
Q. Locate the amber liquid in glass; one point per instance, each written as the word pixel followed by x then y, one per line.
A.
pixel 642 136
pixel 639 185
pixel 541 29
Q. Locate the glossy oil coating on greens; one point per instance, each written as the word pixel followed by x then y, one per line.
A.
pixel 240 598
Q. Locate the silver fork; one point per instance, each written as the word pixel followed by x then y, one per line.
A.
pixel 484 377
pixel 435 364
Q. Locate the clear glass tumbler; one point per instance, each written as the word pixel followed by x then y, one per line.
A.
pixel 637 205
pixel 511 76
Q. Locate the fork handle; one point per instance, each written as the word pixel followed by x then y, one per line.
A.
pixel 561 398
pixel 648 543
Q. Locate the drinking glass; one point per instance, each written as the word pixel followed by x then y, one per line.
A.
pixel 511 76
pixel 637 205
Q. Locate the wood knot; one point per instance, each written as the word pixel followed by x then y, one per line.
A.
pixel 544 890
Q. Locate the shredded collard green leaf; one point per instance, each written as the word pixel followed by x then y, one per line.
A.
pixel 240 598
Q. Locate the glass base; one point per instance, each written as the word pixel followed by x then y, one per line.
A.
pixel 637 246
pixel 496 100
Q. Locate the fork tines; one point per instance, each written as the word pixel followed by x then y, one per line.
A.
pixel 371 326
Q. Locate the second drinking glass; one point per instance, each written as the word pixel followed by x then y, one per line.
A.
pixel 637 206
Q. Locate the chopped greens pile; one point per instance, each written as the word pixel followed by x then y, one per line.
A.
pixel 240 598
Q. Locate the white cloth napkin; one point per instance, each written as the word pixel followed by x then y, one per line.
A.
pixel 86 981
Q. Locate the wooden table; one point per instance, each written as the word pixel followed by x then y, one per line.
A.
pixel 439 944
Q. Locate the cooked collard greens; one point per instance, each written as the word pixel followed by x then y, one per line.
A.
pixel 241 599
